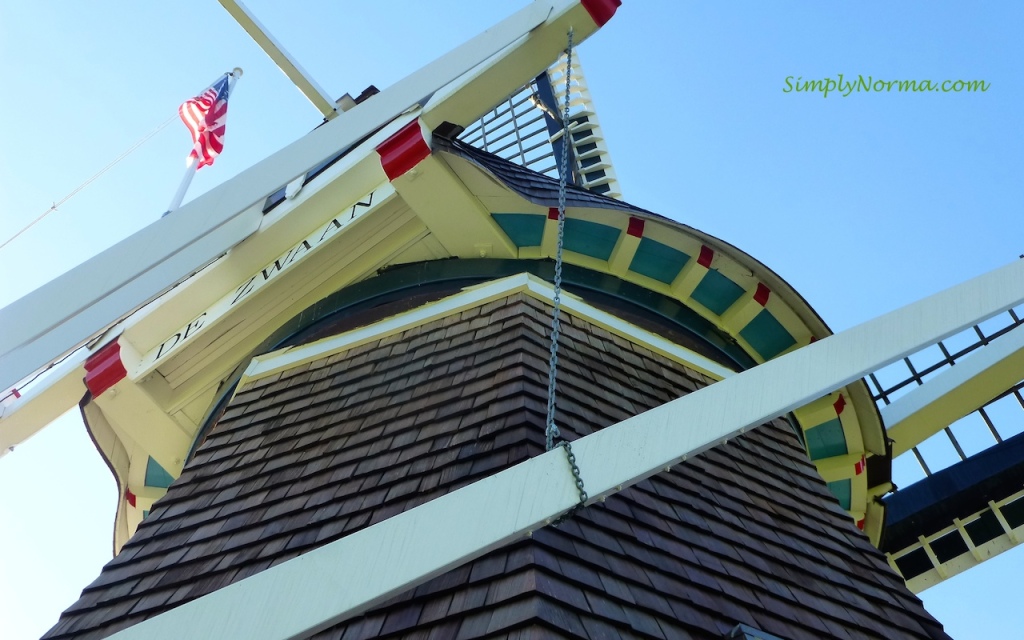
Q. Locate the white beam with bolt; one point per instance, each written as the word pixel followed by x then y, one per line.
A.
pixel 955 392
pixel 65 313
pixel 42 402
pixel 352 575
pixel 309 88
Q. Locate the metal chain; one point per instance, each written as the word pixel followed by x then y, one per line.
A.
pixel 551 431
pixel 577 478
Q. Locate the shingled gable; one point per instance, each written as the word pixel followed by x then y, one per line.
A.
pixel 745 533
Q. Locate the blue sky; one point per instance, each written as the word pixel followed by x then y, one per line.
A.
pixel 863 203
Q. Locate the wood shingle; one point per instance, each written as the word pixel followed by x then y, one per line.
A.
pixel 745 533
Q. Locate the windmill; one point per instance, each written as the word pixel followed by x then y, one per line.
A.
pixel 754 293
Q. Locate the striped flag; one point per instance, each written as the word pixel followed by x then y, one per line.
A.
pixel 206 116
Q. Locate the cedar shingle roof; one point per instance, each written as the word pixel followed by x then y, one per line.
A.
pixel 745 533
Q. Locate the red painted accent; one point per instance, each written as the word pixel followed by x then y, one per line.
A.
pixel 552 213
pixel 839 404
pixel 403 151
pixel 860 524
pixel 16 393
pixel 635 228
pixel 601 10
pixel 129 496
pixel 705 257
pixel 762 294
pixel 813 339
pixel 104 369
pixel 859 467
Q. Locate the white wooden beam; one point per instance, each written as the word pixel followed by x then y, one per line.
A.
pixel 43 402
pixel 955 392
pixel 66 312
pixel 309 88
pixel 129 409
pixel 349 576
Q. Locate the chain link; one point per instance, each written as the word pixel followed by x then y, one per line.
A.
pixel 578 479
pixel 551 432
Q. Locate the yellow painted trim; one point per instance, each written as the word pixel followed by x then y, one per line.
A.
pixel 859 497
pixel 740 314
pixel 818 412
pixel 1009 539
pixel 622 254
pixel 549 241
pixel 470 297
pixel 687 280
pixel 874 521
pixel 840 467
pixel 456 218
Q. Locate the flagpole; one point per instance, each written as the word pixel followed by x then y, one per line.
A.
pixel 190 171
pixel 193 167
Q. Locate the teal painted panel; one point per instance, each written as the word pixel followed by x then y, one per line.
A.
pixel 716 292
pixel 156 476
pixel 658 261
pixel 145 513
pixel 590 238
pixel 523 229
pixel 826 440
pixel 767 335
pixel 842 490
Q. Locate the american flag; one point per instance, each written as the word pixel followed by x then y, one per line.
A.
pixel 206 116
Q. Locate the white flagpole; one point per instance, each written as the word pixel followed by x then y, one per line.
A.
pixel 192 167
pixel 190 171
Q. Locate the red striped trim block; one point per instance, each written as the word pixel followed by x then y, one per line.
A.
pixel 403 151
pixel 601 10
pixel 104 369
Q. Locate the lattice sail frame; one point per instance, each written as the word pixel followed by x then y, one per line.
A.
pixel 525 129
pixel 908 375
pixel 966 541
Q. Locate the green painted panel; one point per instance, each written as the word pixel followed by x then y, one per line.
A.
pixel 716 292
pixel 523 229
pixel 826 440
pixel 145 513
pixel 590 238
pixel 156 476
pixel 659 261
pixel 842 490
pixel 767 335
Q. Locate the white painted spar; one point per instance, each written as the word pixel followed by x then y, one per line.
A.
pixel 349 576
pixel 43 401
pixel 284 60
pixel 955 392
pixel 65 313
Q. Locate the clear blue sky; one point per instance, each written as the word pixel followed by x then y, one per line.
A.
pixel 863 203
